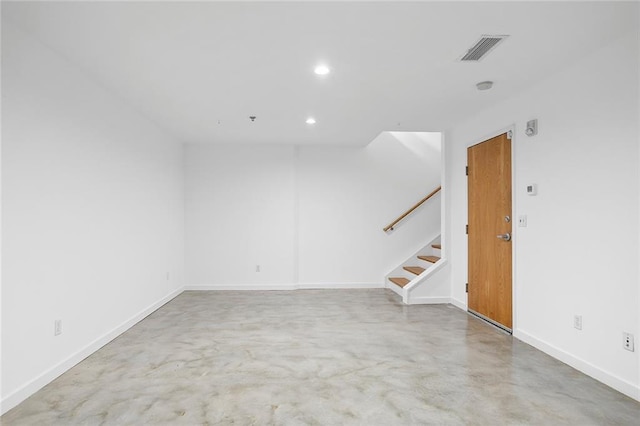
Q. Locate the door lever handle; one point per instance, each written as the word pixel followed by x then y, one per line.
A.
pixel 506 237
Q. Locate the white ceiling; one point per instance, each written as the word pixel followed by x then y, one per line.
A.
pixel 199 70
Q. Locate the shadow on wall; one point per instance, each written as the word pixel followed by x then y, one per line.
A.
pixel 423 162
pixel 408 167
pixel 410 162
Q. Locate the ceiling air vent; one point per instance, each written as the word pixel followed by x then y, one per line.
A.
pixel 483 46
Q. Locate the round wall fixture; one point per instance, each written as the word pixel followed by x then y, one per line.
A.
pixel 484 85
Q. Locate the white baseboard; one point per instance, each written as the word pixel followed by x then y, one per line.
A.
pixel 396 289
pixel 48 376
pixel 621 385
pixel 239 287
pixel 429 300
pixel 309 286
pixel 458 304
pixel 276 287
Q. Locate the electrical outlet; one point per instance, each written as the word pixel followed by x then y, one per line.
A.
pixel 57 327
pixel 167 276
pixel 577 322
pixel 257 268
pixel 522 221
pixel 627 341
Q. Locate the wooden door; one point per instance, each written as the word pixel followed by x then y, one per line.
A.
pixel 490 226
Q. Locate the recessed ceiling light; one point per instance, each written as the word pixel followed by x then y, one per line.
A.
pixel 322 70
pixel 311 120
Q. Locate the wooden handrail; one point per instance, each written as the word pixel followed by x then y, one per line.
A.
pixel 390 226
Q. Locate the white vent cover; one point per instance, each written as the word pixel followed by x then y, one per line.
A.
pixel 483 46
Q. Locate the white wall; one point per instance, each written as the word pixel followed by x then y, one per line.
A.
pixel 579 253
pixel 239 214
pixel 92 215
pixel 309 216
pixel 1 258
pixel 346 197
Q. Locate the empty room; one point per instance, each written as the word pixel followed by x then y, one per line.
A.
pixel 320 213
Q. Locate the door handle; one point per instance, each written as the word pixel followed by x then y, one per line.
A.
pixel 506 237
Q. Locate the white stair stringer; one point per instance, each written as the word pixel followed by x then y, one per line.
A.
pixel 418 281
pixel 419 292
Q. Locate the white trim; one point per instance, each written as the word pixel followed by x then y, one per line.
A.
pixel 515 232
pixel 51 374
pixel 493 135
pixel 621 385
pixel 396 289
pixel 239 287
pixel 458 304
pixel 307 286
pixel 444 242
pixel 282 287
pixel 426 274
pixel 428 300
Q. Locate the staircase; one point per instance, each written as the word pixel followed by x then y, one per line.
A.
pixel 416 270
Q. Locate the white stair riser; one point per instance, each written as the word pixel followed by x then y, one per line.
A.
pixel 414 279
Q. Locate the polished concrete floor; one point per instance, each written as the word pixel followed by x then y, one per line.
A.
pixel 343 357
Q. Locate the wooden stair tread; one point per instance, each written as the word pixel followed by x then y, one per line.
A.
pixel 432 259
pixel 414 269
pixel 399 281
pixel 436 246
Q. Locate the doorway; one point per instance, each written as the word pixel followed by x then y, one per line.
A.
pixel 490 230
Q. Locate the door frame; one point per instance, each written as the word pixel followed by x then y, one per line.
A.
pixel 514 229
